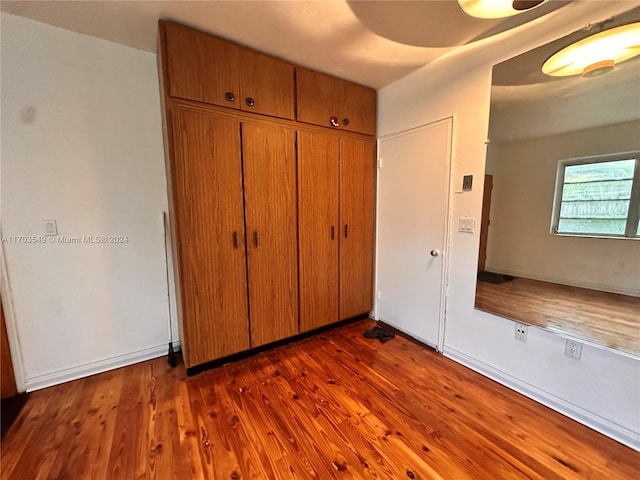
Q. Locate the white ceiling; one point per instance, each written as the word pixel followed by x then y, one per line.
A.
pixel 370 42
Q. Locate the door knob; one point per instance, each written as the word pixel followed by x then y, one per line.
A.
pixel 250 101
pixel 435 253
pixel 229 97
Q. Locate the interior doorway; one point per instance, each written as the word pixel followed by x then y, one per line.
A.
pixel 413 197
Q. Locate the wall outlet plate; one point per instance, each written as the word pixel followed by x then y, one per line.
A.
pixel 572 348
pixel 521 332
pixel 50 227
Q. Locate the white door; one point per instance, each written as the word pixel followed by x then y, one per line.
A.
pixel 412 219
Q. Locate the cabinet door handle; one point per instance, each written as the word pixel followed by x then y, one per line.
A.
pixel 229 97
pixel 345 121
pixel 250 101
pixel 346 231
pixel 334 122
pixel 235 240
pixel 333 232
pixel 255 238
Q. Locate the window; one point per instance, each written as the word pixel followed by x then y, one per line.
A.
pixel 598 197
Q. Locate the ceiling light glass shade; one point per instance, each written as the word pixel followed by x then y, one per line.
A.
pixel 497 8
pixel 596 54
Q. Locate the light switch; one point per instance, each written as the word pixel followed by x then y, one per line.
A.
pixel 467 183
pixel 466 224
pixel 50 227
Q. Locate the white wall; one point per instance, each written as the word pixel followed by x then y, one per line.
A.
pixel 602 389
pixel 82 144
pixel 521 206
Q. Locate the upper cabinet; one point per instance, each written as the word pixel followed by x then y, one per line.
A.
pixel 207 69
pixel 267 85
pixel 332 102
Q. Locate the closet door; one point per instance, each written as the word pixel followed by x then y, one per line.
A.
pixel 267 85
pixel 269 159
pixel 357 216
pixel 318 228
pixel 201 67
pixel 208 204
pixel 317 97
pixel 321 97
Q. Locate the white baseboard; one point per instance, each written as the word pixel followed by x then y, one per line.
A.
pixel 633 292
pixel 38 382
pixel 601 424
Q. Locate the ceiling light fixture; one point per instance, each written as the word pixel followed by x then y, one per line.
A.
pixel 596 54
pixel 497 8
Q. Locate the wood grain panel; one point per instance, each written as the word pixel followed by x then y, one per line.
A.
pixel 359 103
pixel 8 381
pixel 209 213
pixel 270 82
pixel 357 218
pixel 603 318
pixel 269 160
pixel 201 67
pixel 317 97
pixel 321 96
pixel 484 223
pixel 333 406
pixel 317 218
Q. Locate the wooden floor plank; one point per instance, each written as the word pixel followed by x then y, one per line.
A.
pixel 335 405
pixel 603 318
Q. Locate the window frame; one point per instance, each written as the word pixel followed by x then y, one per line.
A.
pixel 633 214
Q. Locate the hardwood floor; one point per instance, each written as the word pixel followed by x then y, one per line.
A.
pixel 332 406
pixel 603 318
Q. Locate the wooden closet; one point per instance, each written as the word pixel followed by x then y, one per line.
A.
pixel 271 205
pixel 336 203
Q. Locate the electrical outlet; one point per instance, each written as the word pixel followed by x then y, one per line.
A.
pixel 572 348
pixel 521 332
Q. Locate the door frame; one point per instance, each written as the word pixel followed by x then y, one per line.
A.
pixel 444 277
pixel 10 322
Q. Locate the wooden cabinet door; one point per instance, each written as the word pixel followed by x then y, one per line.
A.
pixel 321 97
pixel 208 204
pixel 317 97
pixel 269 160
pixel 359 107
pixel 267 85
pixel 201 67
pixel 357 217
pixel 318 228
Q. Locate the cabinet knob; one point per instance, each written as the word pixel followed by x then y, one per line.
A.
pixel 250 101
pixel 229 97
pixel 334 122
pixel 345 121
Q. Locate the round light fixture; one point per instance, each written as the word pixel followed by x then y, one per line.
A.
pixel 596 54
pixel 497 8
